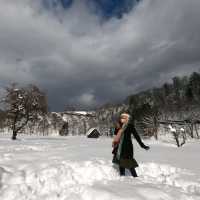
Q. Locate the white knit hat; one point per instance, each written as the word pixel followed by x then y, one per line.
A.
pixel 125 114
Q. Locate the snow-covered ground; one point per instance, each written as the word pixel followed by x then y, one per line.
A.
pixel 78 168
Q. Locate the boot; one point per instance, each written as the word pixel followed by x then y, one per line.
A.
pixel 122 171
pixel 133 172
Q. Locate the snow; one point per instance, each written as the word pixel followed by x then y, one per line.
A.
pixel 78 168
pixel 182 129
pixel 173 130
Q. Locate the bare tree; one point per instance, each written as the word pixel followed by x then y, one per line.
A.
pixel 24 104
pixel 2 119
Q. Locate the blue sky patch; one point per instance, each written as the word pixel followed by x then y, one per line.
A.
pixel 104 8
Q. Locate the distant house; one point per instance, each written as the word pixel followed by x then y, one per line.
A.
pixel 93 133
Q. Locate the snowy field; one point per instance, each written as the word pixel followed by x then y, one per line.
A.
pixel 77 168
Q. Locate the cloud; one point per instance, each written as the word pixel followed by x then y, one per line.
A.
pixel 77 59
pixel 86 99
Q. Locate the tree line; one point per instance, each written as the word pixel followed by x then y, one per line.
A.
pixel 179 99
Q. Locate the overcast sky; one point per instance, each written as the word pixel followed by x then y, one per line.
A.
pixel 85 54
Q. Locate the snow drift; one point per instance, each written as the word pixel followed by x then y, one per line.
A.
pixel 77 168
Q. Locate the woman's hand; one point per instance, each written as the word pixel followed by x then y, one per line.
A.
pixel 115 142
pixel 145 147
pixel 116 138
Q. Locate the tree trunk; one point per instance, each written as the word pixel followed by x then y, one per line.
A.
pixel 176 139
pixel 191 130
pixel 156 133
pixel 184 138
pixel 196 131
pixel 84 127
pixel 14 136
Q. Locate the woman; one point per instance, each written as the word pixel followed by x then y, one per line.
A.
pixel 123 147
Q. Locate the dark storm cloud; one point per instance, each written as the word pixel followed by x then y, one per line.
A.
pixel 83 62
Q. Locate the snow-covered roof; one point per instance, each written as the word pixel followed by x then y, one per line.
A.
pixel 78 112
pixel 90 130
pixel 81 112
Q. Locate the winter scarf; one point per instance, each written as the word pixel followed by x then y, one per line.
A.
pixel 124 126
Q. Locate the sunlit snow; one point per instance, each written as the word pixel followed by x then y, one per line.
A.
pixel 79 168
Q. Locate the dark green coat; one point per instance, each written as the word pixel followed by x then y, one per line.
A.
pixel 127 159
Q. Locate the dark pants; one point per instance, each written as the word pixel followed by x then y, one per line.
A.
pixel 132 170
